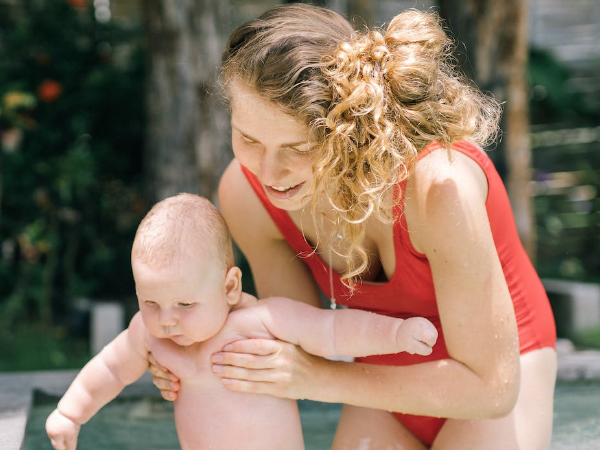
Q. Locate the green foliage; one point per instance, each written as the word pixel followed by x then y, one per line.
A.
pixel 568 211
pixel 552 100
pixel 71 129
pixel 24 349
pixel 567 168
pixel 588 338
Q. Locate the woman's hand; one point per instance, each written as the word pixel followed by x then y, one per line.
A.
pixel 163 379
pixel 265 366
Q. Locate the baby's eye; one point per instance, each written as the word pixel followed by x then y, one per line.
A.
pixel 186 305
pixel 150 303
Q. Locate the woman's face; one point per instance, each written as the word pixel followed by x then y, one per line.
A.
pixel 273 145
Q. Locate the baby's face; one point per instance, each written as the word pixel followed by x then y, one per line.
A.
pixel 184 303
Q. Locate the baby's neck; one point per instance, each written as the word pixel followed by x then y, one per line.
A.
pixel 246 300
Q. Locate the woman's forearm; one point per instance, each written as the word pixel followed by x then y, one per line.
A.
pixel 444 388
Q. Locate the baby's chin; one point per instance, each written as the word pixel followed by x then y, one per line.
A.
pixel 182 340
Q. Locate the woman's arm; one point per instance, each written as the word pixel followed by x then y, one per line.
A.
pixel 448 222
pixel 276 269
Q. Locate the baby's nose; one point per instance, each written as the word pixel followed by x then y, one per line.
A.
pixel 167 318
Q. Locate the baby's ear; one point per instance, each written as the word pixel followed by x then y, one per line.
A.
pixel 233 285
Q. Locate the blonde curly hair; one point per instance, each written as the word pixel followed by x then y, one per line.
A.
pixel 371 101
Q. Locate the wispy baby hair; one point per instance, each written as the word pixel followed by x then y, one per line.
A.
pixel 182 227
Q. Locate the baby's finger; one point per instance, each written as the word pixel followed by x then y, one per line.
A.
pixel 72 443
pixel 58 443
pixel 421 348
pixel 429 336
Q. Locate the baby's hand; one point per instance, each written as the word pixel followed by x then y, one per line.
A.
pixel 417 335
pixel 62 431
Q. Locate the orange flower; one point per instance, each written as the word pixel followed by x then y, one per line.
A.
pixel 49 91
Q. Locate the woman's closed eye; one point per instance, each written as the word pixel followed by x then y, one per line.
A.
pixel 301 151
pixel 249 141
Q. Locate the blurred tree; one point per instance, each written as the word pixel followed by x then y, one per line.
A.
pixel 495 37
pixel 187 134
pixel 70 155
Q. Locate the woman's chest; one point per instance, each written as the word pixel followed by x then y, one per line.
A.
pixel 377 244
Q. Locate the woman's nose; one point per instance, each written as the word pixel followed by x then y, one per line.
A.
pixel 271 167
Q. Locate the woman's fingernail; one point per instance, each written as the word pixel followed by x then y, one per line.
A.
pixel 217 358
pixel 228 348
pixel 226 381
pixel 217 368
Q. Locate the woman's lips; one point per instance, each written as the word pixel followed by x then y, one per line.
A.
pixel 283 195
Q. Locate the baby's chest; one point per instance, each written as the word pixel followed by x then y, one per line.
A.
pixel 191 362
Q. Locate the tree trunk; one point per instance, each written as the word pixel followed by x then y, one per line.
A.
pixel 187 126
pixel 495 34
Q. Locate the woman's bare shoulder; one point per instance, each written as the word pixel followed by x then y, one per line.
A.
pixel 443 187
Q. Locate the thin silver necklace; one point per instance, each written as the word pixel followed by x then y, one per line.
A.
pixel 332 303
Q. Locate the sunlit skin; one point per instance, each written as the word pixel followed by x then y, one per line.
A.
pixel 192 307
pixel 455 211
pixel 442 196
pixel 273 146
pixel 183 302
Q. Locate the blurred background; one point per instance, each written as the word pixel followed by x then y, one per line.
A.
pixel 107 106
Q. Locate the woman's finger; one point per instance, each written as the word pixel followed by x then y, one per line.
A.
pixel 249 361
pixel 254 346
pixel 158 371
pixel 169 395
pixel 252 387
pixel 240 373
pixel 166 385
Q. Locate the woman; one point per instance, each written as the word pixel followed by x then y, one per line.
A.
pixel 358 170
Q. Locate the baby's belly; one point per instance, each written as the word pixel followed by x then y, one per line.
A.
pixel 226 420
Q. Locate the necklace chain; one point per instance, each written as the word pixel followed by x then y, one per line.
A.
pixel 332 303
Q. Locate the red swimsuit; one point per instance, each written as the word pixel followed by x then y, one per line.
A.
pixel 410 291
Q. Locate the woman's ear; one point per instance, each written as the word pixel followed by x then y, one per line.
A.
pixel 233 285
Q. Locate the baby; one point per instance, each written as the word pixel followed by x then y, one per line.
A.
pixel 191 306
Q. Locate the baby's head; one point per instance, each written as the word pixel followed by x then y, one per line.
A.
pixel 183 266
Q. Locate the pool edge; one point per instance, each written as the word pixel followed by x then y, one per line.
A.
pixel 17 390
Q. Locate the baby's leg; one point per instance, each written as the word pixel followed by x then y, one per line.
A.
pixel 371 429
pixel 527 427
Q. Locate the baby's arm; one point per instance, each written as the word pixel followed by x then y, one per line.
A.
pixel 348 332
pixel 120 363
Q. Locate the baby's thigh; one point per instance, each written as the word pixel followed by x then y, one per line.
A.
pixel 371 429
pixel 527 427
